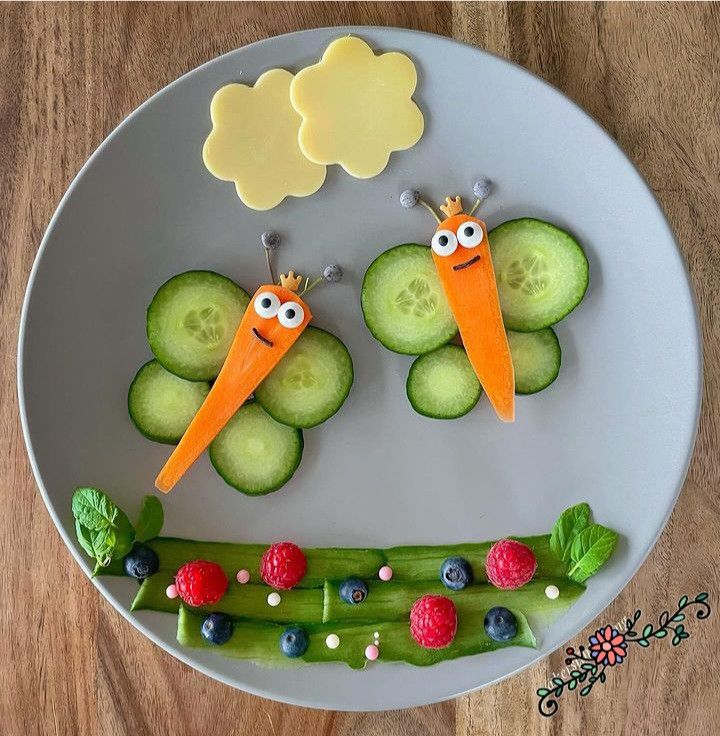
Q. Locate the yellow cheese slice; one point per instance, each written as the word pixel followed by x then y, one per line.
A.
pixel 254 142
pixel 356 107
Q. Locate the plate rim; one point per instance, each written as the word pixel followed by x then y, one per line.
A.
pixel 175 650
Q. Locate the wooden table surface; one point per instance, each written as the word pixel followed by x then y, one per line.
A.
pixel 650 74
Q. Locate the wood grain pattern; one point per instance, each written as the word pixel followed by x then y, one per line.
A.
pixel 68 74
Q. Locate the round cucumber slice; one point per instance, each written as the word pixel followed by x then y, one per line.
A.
pixel 255 454
pixel 162 405
pixel 541 273
pixel 403 301
pixel 310 383
pixel 191 322
pixel 536 357
pixel 443 384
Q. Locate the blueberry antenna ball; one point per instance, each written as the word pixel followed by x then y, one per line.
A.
pixel 270 242
pixel 482 189
pixel 410 197
pixel 333 273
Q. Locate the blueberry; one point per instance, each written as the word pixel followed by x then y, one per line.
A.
pixel 353 591
pixel 500 624
pixel 270 240
pixel 141 562
pixel 409 198
pixel 217 628
pixel 456 573
pixel 294 642
pixel 332 273
pixel 482 188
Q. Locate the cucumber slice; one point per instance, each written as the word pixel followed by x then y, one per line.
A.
pixel 191 322
pixel 255 454
pixel 162 405
pixel 392 601
pixel 299 605
pixel 310 383
pixel 412 563
pixel 260 642
pixel 409 563
pixel 403 301
pixel 541 273
pixel 443 384
pixel 323 563
pixel 536 357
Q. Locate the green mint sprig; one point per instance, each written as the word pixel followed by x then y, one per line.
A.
pixel 151 519
pixel 570 523
pixel 585 546
pixel 104 530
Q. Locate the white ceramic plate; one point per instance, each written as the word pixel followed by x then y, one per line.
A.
pixel 616 429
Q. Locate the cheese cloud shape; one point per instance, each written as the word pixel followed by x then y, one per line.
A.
pixel 254 142
pixel 356 107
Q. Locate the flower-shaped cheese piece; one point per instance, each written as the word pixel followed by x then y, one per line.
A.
pixel 357 107
pixel 254 142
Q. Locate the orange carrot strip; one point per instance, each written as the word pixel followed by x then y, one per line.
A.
pixel 472 293
pixel 257 347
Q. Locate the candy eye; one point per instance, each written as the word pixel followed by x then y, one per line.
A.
pixel 267 304
pixel 291 314
pixel 470 234
pixel 444 242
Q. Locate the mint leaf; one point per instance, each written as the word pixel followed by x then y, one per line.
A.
pixel 590 550
pixel 151 519
pixel 83 536
pixel 103 530
pixel 98 543
pixel 92 508
pixel 569 524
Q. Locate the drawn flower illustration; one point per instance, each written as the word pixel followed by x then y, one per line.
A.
pixel 608 645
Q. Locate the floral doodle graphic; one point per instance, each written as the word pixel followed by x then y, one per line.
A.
pixel 609 647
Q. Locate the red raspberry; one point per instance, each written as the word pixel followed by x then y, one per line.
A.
pixel 201 583
pixel 433 621
pixel 510 564
pixel 283 565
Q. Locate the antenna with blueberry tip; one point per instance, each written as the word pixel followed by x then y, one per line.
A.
pixel 481 189
pixel 410 197
pixel 270 241
pixel 332 274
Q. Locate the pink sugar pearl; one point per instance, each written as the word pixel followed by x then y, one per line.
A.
pixel 243 577
pixel 371 652
pixel 385 573
pixel 171 591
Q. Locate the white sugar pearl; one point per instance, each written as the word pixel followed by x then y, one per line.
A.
pixel 552 592
pixel 385 573
pixel 274 599
pixel 243 577
pixel 171 591
pixel 332 641
pixel 376 635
